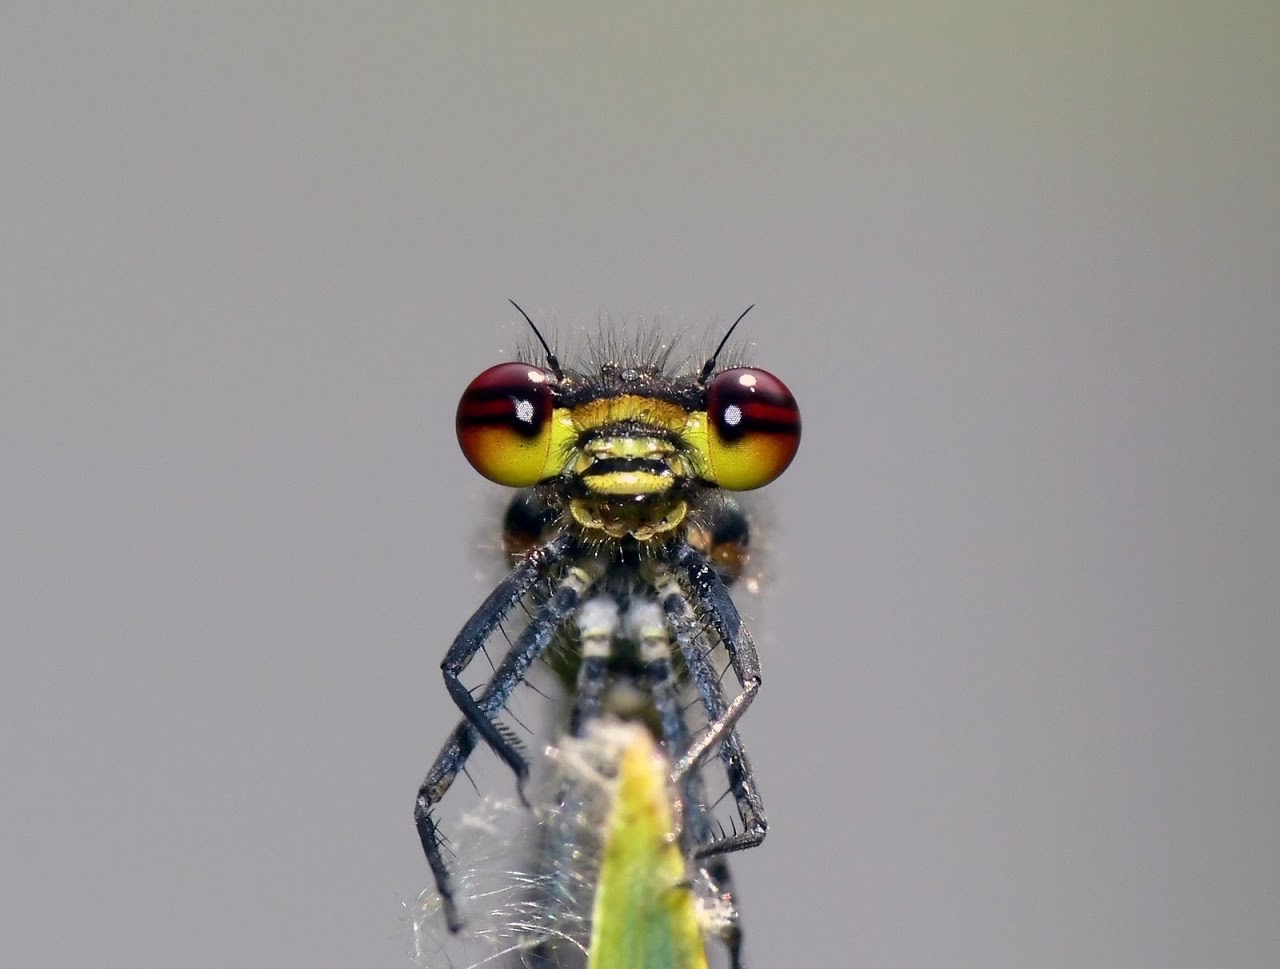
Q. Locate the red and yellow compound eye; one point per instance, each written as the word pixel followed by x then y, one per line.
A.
pixel 753 428
pixel 505 423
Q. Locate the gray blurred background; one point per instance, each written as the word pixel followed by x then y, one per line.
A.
pixel 1019 264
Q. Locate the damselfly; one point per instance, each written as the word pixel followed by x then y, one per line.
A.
pixel 626 541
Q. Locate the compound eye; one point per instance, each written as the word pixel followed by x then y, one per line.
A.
pixel 753 427
pixel 504 423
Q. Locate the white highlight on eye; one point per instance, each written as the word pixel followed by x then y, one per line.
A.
pixel 524 411
pixel 732 415
pixel 747 380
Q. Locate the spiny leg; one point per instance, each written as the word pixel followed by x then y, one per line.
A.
pixel 647 628
pixel 453 756
pixel 709 593
pixel 450 760
pixel 564 599
pixel 695 647
pixel 535 564
pixel 462 741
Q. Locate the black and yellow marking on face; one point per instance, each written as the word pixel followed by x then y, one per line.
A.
pixel 625 456
pixel 631 458
pixel 630 445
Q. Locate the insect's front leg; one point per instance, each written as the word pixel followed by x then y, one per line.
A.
pixel 495 608
pixel 453 756
pixel 535 638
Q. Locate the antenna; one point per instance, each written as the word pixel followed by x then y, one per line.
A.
pixel 552 362
pixel 711 363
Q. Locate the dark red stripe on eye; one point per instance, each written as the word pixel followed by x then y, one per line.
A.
pixel 745 427
pixel 503 410
pixel 762 416
pixel 506 419
pixel 484 409
pixel 753 425
pixel 746 401
pixel 499 420
pixel 514 396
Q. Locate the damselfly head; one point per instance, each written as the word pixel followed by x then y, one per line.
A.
pixel 627 444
